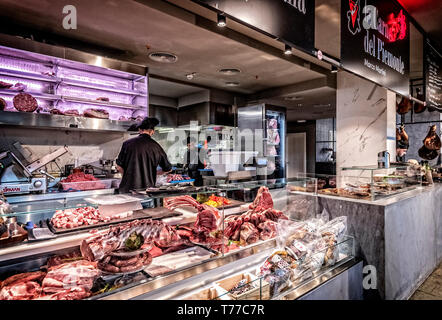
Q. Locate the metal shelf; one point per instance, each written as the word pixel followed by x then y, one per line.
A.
pixel 53 121
pixel 27 75
pixel 102 103
pixel 46 96
pixel 97 87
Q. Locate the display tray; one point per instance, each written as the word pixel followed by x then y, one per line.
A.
pixel 159 213
pixel 136 215
pixel 170 191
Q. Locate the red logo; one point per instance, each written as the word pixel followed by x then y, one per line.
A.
pixel 354 15
pixel 397 27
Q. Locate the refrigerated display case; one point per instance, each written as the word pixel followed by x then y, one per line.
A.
pixel 191 240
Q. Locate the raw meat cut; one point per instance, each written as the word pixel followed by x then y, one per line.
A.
pixel 60 259
pixel 96 113
pixel 25 102
pixel 23 286
pixel 74 181
pixel 263 200
pixel 75 217
pixel 267 230
pixel 21 291
pixel 248 234
pixel 77 274
pixel 176 177
pixel 102 243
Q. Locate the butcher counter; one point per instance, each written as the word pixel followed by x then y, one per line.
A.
pixel 199 265
pixel 401 236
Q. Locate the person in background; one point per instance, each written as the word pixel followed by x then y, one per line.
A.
pixel 139 158
pixel 195 158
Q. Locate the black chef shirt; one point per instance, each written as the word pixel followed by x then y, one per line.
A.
pixel 140 157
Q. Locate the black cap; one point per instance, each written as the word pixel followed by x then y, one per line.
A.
pixel 148 123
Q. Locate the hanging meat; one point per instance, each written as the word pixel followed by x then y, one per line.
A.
pixel 432 140
pixel 432 144
pixel 419 107
pixel 404 106
pixel 402 138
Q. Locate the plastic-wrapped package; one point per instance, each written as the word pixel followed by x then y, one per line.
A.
pixel 332 233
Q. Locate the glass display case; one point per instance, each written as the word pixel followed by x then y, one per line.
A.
pixel 131 245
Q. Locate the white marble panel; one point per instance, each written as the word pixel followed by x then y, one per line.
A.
pixel 361 121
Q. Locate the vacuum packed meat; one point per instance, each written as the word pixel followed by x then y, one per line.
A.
pixel 25 102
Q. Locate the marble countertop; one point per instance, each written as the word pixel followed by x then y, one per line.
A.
pixel 393 199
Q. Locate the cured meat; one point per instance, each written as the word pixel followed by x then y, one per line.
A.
pixel 3 104
pixel 56 111
pixel 427 154
pixel 96 113
pixel 72 112
pixel 101 244
pixel 103 99
pixel 404 106
pixel 19 87
pixel 5 85
pixel 25 102
pixel 176 177
pixel 432 140
pixel 77 274
pixel 248 234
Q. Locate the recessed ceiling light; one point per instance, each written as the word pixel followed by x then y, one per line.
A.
pixel 232 84
pixel 302 121
pixel 163 57
pixel 190 76
pixel 229 71
pixel 287 50
pixel 221 21
pixel 321 105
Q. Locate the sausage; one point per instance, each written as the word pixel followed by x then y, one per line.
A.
pixel 133 267
pixel 110 268
pixel 124 262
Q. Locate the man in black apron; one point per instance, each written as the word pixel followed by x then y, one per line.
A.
pixel 139 158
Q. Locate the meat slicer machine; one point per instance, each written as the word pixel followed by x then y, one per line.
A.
pixel 16 177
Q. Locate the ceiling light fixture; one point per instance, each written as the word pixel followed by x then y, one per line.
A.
pixel 190 76
pixel 221 21
pixel 229 71
pixel 232 84
pixel 163 57
pixel 301 121
pixel 287 50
